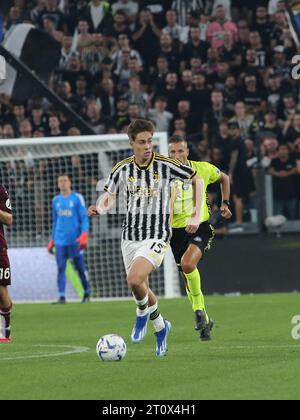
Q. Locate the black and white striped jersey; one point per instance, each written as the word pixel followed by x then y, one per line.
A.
pixel 144 195
pixel 184 7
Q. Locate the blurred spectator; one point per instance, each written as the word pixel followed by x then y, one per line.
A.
pixel 292 129
pixel 107 97
pixel 83 38
pixel 14 17
pixel 146 37
pixel 98 14
pixel 66 52
pixel 54 127
pixel 95 119
pixel 184 8
pixel 270 126
pixel 253 96
pixel 216 30
pixel 194 48
pixel 200 96
pixel 130 8
pixel 8 132
pixel 52 13
pixel 159 115
pixel 214 114
pixel 39 8
pixel 269 147
pixel 238 172
pixel 157 80
pixel 283 170
pixel 172 91
pixel 263 25
pixel 167 50
pixel 243 119
pixel 49 26
pixel 177 32
pixel 137 95
pixel 119 27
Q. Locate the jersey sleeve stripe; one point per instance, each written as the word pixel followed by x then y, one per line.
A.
pixel 122 163
pixel 166 159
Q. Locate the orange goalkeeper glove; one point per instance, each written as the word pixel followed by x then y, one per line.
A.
pixel 51 246
pixel 83 241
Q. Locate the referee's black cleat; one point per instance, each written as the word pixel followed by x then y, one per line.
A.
pixel 205 334
pixel 200 318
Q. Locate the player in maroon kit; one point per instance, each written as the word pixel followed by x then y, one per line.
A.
pixel 5 275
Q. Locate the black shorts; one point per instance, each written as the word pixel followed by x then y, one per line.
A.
pixel 5 274
pixel 181 240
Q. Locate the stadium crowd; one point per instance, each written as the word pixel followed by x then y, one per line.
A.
pixel 217 72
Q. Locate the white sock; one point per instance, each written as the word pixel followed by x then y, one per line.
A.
pixel 142 306
pixel 158 322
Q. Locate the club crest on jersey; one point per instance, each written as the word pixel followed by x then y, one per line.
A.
pixel 8 204
pixel 131 179
pixel 185 187
pixel 156 177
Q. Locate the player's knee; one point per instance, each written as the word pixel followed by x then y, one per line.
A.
pixel 61 269
pixel 188 267
pixel 134 280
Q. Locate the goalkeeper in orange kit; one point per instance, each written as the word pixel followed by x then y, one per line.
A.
pixel 70 225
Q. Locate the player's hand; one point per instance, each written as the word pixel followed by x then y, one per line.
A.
pixel 193 225
pixel 51 246
pixel 225 212
pixel 92 211
pixel 83 241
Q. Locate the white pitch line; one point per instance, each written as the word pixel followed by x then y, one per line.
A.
pixel 267 347
pixel 73 350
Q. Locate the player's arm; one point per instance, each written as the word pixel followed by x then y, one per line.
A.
pixel 6 218
pixel 111 188
pixel 198 192
pixel 84 222
pixel 225 190
pixel 103 205
pixel 51 244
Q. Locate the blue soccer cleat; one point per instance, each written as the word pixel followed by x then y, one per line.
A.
pixel 140 328
pixel 161 337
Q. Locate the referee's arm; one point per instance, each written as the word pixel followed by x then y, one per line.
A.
pixel 225 189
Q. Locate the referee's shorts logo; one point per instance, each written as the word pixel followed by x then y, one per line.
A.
pixel 2 69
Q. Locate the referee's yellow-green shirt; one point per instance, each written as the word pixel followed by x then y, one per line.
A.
pixel 183 194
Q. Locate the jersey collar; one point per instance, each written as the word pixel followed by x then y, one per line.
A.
pixel 146 167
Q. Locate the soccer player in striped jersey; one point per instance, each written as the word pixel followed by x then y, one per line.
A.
pixel 189 248
pixel 143 182
pixel 6 218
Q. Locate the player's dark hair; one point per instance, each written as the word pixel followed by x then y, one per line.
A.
pixel 139 126
pixel 177 139
pixel 64 175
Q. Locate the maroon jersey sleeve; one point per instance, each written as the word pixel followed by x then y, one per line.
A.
pixel 5 204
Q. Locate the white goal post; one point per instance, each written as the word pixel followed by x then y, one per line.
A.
pixel 29 168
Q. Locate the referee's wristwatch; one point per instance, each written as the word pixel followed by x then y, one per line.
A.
pixel 226 202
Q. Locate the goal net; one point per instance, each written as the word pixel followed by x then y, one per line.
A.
pixel 29 168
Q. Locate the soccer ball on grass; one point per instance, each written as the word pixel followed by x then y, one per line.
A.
pixel 111 348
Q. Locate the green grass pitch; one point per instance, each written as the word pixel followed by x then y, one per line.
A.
pixel 252 355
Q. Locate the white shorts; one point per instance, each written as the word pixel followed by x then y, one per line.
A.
pixel 152 250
